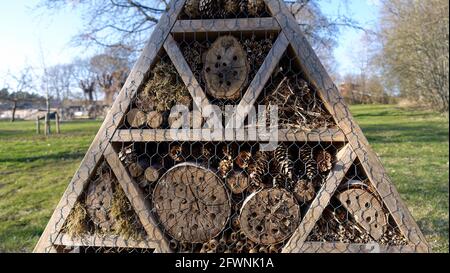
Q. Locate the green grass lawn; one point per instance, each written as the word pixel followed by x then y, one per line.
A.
pixel 35 170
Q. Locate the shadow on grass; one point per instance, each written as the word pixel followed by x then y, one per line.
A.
pixel 49 157
pixel 396 113
pixel 412 133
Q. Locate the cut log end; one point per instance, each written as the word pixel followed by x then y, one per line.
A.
pixel 136 118
pixel 154 120
pixel 152 174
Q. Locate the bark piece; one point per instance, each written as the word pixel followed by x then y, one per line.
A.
pixel 366 210
pixel 99 202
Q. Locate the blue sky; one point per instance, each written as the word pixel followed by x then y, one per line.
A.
pixel 24 30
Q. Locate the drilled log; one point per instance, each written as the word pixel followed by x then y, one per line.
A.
pixel 226 68
pixel 191 203
pixel 366 210
pixel 99 202
pixel 273 227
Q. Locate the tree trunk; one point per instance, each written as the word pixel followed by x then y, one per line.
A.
pixel 13 114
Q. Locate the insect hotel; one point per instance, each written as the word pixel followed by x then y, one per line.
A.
pixel 141 188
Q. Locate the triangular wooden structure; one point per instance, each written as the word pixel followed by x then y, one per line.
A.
pixel 354 148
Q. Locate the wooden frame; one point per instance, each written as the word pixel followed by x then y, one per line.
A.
pixel 99 241
pixel 284 135
pixel 357 146
pixel 226 25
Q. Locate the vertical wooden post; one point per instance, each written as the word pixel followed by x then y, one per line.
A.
pixel 38 125
pixel 58 129
pixel 47 124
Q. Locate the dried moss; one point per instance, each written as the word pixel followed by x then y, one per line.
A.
pixel 77 223
pixel 126 223
pixel 163 91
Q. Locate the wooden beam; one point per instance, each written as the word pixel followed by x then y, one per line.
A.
pixel 136 197
pixel 100 241
pixel 259 82
pixel 226 25
pixel 186 74
pixel 335 104
pixel 284 135
pixel 344 161
pixel 336 247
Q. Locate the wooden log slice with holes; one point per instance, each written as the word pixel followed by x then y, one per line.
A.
pixel 270 216
pixel 226 68
pixel 136 118
pixel 99 202
pixel 191 203
pixel 366 210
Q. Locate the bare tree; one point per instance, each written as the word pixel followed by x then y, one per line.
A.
pixel 111 69
pixel 86 79
pixel 128 23
pixel 415 49
pixel 19 84
pixel 61 81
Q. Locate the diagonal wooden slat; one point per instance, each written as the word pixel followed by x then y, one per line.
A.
pixel 186 74
pixel 111 123
pixel 344 161
pixel 136 197
pixel 258 83
pixel 335 104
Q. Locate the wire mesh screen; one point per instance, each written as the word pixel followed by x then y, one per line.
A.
pixel 160 178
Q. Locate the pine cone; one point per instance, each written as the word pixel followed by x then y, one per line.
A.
pixel 211 8
pixel 231 7
pixel 243 159
pixel 191 8
pixel 243 6
pixel 283 162
pixel 304 191
pixel 255 7
pixel 324 161
pixel 225 166
pixel 259 168
pixel 176 153
pixel 306 156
